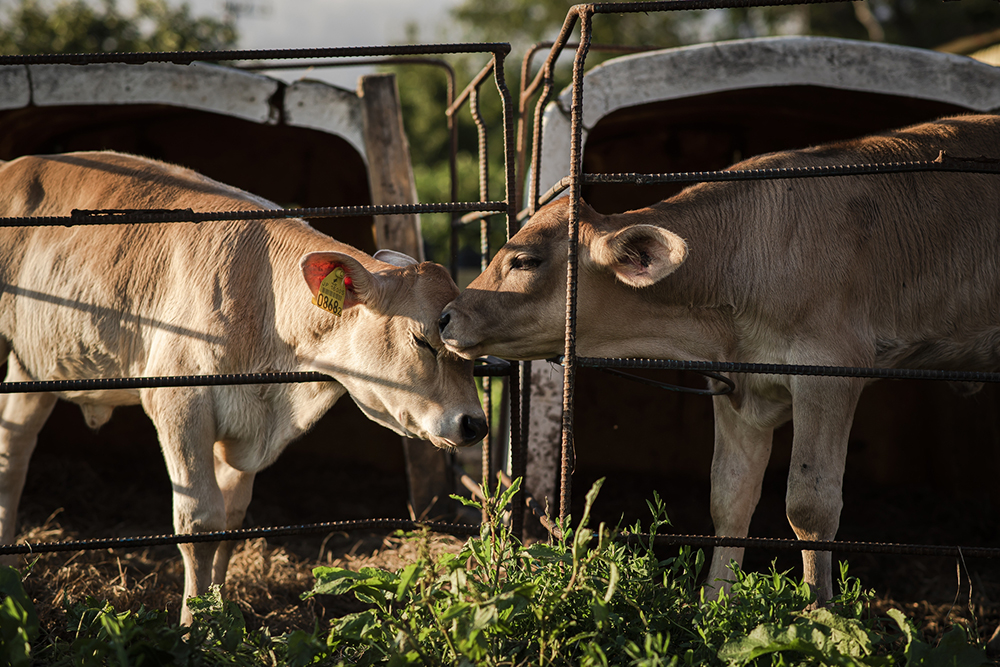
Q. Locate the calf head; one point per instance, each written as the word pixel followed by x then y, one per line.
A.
pixel 516 308
pixel 385 349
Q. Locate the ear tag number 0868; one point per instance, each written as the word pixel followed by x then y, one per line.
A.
pixel 332 292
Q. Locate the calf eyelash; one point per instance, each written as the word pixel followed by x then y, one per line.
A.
pixel 421 342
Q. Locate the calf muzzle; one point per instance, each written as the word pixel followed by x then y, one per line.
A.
pixel 474 429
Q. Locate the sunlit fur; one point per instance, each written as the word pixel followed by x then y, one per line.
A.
pixel 897 270
pixel 215 297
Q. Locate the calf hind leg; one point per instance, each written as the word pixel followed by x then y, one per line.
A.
pixel 823 410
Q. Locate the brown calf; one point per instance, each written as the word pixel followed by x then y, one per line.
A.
pixel 888 271
pixel 215 297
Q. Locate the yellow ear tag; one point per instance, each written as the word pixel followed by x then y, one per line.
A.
pixel 332 292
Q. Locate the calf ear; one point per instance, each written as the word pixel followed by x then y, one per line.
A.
pixel 640 255
pixel 395 258
pixel 361 285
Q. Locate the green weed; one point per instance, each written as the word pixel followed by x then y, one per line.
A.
pixel 590 599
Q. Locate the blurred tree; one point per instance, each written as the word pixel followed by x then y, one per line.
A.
pixel 927 24
pixel 78 26
pixel 922 23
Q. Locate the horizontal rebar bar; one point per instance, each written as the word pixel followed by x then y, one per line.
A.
pixel 948 164
pixel 140 216
pixel 807 545
pixel 790 369
pixel 240 534
pixel 187 57
pixel 489 367
pixel 475 529
pixel 944 163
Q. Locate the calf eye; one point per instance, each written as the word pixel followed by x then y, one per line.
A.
pixel 524 263
pixel 424 344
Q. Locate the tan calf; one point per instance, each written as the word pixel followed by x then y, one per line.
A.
pixel 215 297
pixel 888 271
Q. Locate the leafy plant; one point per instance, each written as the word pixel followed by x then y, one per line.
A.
pixel 593 597
pixel 18 620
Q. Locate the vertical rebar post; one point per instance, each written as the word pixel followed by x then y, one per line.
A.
pixel 513 381
pixel 453 174
pixel 484 259
pixel 523 98
pixel 536 140
pixel 585 12
pixel 546 76
pixel 524 385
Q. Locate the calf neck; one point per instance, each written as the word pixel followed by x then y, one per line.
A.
pixel 895 270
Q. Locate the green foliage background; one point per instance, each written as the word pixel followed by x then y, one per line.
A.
pixel 76 26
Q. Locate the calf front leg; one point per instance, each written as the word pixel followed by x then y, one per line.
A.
pixel 741 454
pixel 21 418
pixel 822 413
pixel 185 424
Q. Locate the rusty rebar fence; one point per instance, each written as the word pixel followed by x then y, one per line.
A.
pixel 362 55
pixel 480 211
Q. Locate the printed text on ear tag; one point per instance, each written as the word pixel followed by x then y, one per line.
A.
pixel 332 292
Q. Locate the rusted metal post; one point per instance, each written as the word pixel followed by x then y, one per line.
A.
pixel 585 13
pixel 484 259
pixel 514 380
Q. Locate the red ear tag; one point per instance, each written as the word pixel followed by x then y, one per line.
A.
pixel 332 292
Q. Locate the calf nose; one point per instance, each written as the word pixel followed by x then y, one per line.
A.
pixel 474 429
pixel 443 321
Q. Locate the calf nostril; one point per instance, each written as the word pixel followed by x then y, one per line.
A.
pixel 443 321
pixel 474 429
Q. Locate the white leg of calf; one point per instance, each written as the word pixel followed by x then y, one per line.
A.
pixel 21 418
pixel 186 429
pixel 823 410
pixel 738 464
pixel 237 489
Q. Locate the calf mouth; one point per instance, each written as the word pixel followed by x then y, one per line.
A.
pixel 466 352
pixel 452 343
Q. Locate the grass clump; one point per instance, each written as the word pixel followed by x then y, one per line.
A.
pixel 591 598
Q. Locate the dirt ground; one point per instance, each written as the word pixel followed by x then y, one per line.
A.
pixel 78 491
